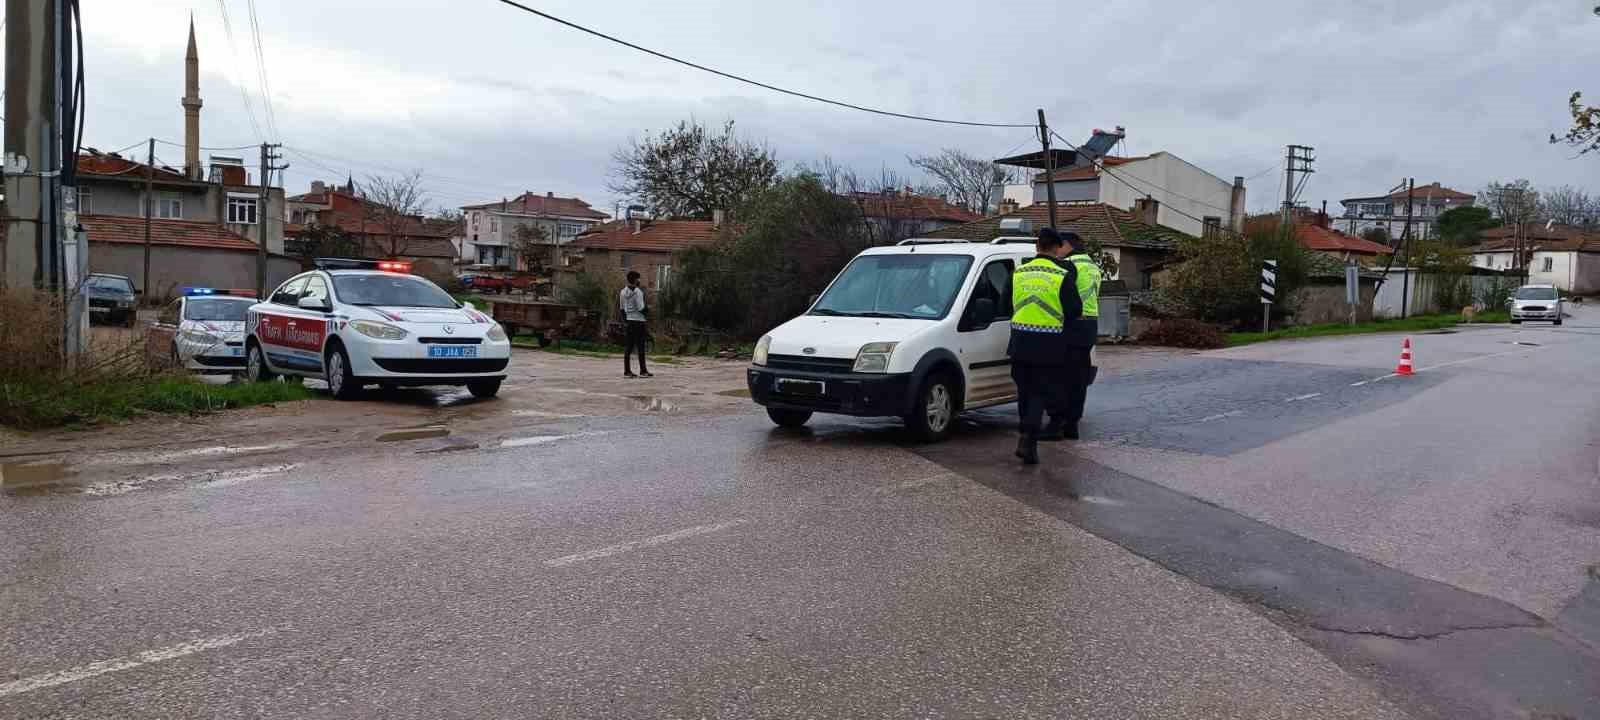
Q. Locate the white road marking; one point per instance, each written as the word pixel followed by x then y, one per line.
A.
pixel 1457 362
pixel 640 544
pixel 84 672
pixel 542 439
pixel 1298 398
pixel 1220 416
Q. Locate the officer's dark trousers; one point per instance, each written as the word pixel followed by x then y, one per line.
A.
pixel 1039 389
pixel 1074 378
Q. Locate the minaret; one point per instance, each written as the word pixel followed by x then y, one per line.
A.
pixel 191 109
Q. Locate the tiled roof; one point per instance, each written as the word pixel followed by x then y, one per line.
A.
pixel 1316 237
pixel 185 233
pixel 1435 191
pixel 654 236
pixel 905 206
pixel 530 203
pixel 1110 226
pixel 1088 172
pixel 1557 238
pixel 102 164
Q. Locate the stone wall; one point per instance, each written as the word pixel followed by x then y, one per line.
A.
pixel 1323 302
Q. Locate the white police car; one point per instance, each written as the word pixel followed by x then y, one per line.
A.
pixel 202 330
pixel 360 322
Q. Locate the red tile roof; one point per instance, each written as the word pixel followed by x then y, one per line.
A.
pixel 530 203
pixel 1435 191
pixel 184 233
pixel 654 236
pixel 1316 237
pixel 100 164
pixel 1088 172
pixel 1557 238
pixel 907 206
pixel 1110 226
pixel 356 216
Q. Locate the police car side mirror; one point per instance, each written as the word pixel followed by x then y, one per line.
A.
pixel 311 303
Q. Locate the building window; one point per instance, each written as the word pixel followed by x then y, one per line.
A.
pixel 663 276
pixel 494 224
pixel 1549 265
pixel 169 206
pixel 475 221
pixel 241 209
pixel 1213 226
pixel 627 261
pixel 570 230
pixel 85 201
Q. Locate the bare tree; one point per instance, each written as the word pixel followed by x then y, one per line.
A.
pixel 690 172
pixel 1513 202
pixel 1569 205
pixel 966 180
pixel 395 204
pixel 532 245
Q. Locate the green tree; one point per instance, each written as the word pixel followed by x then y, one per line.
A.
pixel 1585 131
pixel 1463 226
pixel 1218 279
pixel 321 241
pixel 690 172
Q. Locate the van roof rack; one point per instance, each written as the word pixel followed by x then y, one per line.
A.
pixel 932 241
pixel 1014 240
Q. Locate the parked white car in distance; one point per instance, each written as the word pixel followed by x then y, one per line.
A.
pixel 1537 302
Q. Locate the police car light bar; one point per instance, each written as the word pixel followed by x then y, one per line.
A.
pixel 399 266
pixel 193 291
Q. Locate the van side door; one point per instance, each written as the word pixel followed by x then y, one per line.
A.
pixel 984 332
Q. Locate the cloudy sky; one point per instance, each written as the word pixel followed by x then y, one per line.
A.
pixel 489 101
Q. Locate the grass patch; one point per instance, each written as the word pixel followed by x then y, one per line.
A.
pixel 32 406
pixel 1420 323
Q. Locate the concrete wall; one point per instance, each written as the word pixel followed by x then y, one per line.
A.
pixel 173 267
pixel 1321 303
pixel 1071 191
pixel 648 265
pixel 1192 191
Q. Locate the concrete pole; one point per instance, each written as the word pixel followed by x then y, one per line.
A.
pixel 149 208
pixel 29 107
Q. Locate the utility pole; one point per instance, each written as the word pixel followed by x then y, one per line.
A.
pixel 1299 161
pixel 149 202
pixel 1049 168
pixel 1405 242
pixel 268 156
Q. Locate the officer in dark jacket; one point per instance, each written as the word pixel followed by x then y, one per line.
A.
pixel 1080 335
pixel 1044 302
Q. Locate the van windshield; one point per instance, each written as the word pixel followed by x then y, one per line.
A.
pixel 917 286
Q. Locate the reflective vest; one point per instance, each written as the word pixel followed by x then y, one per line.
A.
pixel 1036 297
pixel 1088 284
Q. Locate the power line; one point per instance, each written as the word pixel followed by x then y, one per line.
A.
pixel 233 50
pixel 261 71
pixel 748 81
pixel 203 147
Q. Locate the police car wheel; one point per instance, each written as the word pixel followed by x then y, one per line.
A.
pixel 790 419
pixel 342 381
pixel 255 368
pixel 935 412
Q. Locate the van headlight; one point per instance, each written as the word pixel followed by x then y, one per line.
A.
pixel 379 330
pixel 497 333
pixel 874 357
pixel 759 355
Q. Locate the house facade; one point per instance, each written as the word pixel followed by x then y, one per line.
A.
pixel 1566 256
pixel 374 231
pixel 644 246
pixel 1388 212
pixel 489 229
pixel 1190 200
pixel 894 215
pixel 1315 232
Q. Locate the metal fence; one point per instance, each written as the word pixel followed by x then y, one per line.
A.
pixel 1115 315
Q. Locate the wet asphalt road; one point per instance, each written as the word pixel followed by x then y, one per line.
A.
pixel 1265 532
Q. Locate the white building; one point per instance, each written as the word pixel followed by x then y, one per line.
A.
pixel 1190 199
pixel 490 228
pixel 1565 256
pixel 1388 212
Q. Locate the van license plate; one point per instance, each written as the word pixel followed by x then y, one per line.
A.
pixel 811 388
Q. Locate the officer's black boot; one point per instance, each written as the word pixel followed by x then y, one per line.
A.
pixel 1028 449
pixel 1054 430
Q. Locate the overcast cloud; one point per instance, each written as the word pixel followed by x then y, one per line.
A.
pixel 489 101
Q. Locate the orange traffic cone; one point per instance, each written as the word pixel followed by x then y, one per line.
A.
pixel 1405 359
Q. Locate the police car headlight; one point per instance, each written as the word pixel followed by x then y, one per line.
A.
pixel 379 330
pixel 874 357
pixel 497 333
pixel 759 355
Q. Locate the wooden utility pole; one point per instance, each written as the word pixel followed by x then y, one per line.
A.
pixel 149 204
pixel 1405 242
pixel 1049 168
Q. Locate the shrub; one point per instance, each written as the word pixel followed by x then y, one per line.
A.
pixel 1218 278
pixel 1184 333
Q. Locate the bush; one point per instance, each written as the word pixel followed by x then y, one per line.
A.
pixel 1184 333
pixel 1218 278
pixel 598 294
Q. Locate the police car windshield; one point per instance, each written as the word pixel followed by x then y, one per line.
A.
pixel 216 309
pixel 1536 293
pixel 917 286
pixel 393 290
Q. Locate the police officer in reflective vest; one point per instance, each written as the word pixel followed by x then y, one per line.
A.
pixel 1044 302
pixel 1081 334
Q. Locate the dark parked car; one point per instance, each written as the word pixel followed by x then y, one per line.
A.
pixel 111 299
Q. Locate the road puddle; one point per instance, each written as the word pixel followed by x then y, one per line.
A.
pixel 531 440
pixel 419 433
pixel 654 404
pixel 33 478
pixel 543 414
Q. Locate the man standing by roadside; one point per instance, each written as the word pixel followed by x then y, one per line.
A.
pixel 1080 335
pixel 1044 301
pixel 636 331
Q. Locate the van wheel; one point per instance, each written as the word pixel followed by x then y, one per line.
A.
pixel 342 381
pixel 255 365
pixel 935 411
pixel 483 388
pixel 789 419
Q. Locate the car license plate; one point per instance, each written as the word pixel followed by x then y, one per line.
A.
pixel 94 309
pixel 810 388
pixel 453 351
pixel 236 352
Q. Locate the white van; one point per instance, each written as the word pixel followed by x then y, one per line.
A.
pixel 917 331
